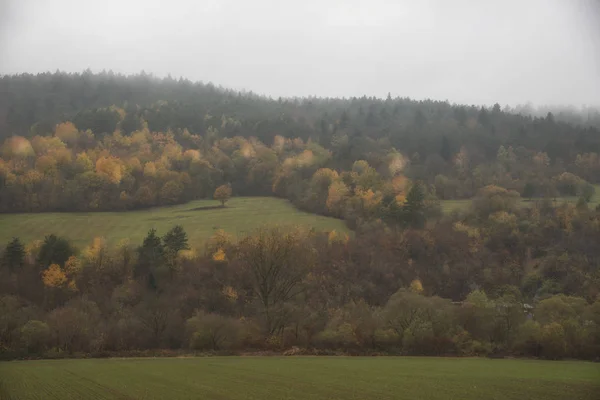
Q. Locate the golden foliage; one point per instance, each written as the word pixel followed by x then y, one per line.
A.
pixel 400 183
pixel 400 198
pixel 66 132
pixel 83 162
pixel 332 236
pixel 368 198
pixel 471 231
pixel 337 193
pixel 230 293
pixel 110 167
pixel 565 216
pixel 504 218
pixel 219 256
pixel 325 175
pixel 219 240
pixel 54 276
pixel 62 156
pixel 247 150
pixel 73 266
pixel 416 286
pixel 223 193
pixel 304 159
pixel 72 286
pixel 31 177
pixel 191 155
pixel 45 164
pixel 279 143
pixel 121 112
pixel 396 163
pixel 17 146
pixel 98 244
pixel 187 254
pixel 172 151
pixel 46 144
pixel 149 169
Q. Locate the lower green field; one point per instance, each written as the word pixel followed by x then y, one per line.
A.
pixel 264 378
pixel 460 205
pixel 199 218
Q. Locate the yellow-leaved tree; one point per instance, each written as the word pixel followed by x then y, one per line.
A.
pixel 67 132
pixel 54 276
pixel 111 167
pixel 219 255
pixel 416 286
pixel 336 196
pixel 223 193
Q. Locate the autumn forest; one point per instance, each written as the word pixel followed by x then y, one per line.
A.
pixel 516 272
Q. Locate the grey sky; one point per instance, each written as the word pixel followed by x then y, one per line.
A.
pixel 544 51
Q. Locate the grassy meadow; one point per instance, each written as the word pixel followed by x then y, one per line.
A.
pixel 459 205
pixel 199 218
pixel 264 378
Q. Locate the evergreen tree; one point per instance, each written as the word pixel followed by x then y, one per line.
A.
pixel 415 206
pixel 344 120
pixel 420 119
pixel 13 257
pixel 175 240
pixel 446 150
pixel 528 190
pixel 483 117
pixel 150 255
pixel 54 250
pixel 461 115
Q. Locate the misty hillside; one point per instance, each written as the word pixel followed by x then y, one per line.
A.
pixel 454 150
pixel 390 169
pixel 34 104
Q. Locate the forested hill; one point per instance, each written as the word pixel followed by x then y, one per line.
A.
pixel 386 166
pixel 105 141
pixel 34 104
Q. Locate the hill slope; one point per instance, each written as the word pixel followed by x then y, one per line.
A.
pixel 199 218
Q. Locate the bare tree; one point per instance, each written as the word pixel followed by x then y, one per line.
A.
pixel 277 261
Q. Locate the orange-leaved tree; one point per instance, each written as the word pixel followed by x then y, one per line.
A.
pixel 223 193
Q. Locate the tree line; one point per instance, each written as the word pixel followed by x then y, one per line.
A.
pixel 74 170
pixel 497 280
pixel 123 139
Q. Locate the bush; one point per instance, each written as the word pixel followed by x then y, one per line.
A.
pixel 553 341
pixel 527 340
pixel 35 336
pixel 213 332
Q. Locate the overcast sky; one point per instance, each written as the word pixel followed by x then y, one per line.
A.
pixel 510 51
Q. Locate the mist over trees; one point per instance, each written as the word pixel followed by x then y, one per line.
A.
pixel 497 278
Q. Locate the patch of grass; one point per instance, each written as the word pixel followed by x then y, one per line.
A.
pixel 299 378
pixel 460 205
pixel 199 218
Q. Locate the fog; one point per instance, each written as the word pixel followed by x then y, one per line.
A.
pixel 512 52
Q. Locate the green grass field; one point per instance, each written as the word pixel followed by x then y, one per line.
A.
pixel 264 378
pixel 199 218
pixel 460 205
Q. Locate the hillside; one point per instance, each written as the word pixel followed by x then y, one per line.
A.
pixel 102 155
pixel 106 142
pixel 200 218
